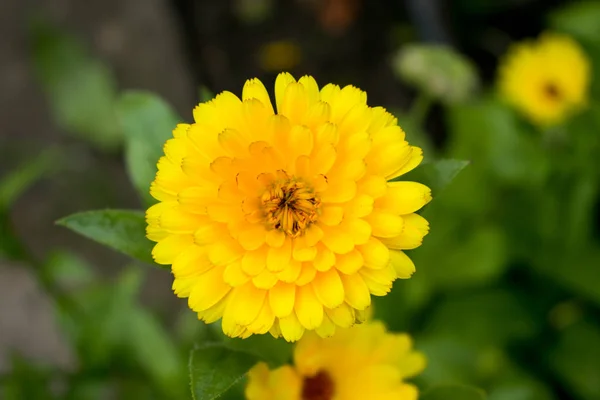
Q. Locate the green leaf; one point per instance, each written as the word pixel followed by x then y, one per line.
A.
pixel 214 369
pixel 579 19
pixel 13 184
pixel 81 89
pixel 453 392
pixel 122 230
pixel 155 352
pixel 437 175
pixel 576 359
pixel 147 122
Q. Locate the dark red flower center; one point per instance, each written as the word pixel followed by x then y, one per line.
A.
pixel 318 387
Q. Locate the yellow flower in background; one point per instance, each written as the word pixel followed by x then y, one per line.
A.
pixel 286 222
pixel 547 79
pixel 364 362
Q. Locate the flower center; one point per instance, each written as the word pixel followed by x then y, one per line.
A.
pixel 318 387
pixel 290 205
pixel 551 91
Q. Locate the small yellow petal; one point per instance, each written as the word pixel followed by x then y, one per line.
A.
pixel 356 290
pixel 376 255
pixel 246 302
pixel 404 197
pixel 402 264
pixel 281 83
pixel 281 298
pixel 254 89
pixel 349 263
pixel 170 247
pixel 328 288
pixel 415 228
pixel 385 225
pixel 291 328
pixel 208 290
pixel 308 308
pixel 278 258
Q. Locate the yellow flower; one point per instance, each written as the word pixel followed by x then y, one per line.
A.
pixel 547 79
pixel 364 362
pixel 286 222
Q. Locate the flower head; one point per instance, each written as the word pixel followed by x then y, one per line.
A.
pixel 286 222
pixel 364 362
pixel 547 79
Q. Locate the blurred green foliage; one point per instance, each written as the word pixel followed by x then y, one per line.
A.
pixel 505 297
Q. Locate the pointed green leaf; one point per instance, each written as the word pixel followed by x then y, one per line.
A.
pixel 122 230
pixel 454 392
pixel 437 175
pixel 147 122
pixel 214 369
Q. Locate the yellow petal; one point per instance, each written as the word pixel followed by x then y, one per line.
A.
pixel 309 309
pixel 264 320
pixel 253 237
pixel 326 329
pixel 311 88
pixel 291 272
pixel 361 206
pixel 324 260
pixel 313 235
pixel 349 263
pixel 416 156
pixel 328 288
pixel 215 312
pixel 192 261
pixel 254 262
pixel 275 238
pixel 356 290
pixel 316 115
pixel 385 225
pixel 254 89
pixel 246 302
pixel 404 197
pixel 295 103
pixel 359 229
pixel 224 252
pixel 331 215
pixel 281 298
pixel 170 247
pixel 374 186
pixel 234 275
pixel 342 316
pixel 195 199
pixel 379 281
pixel 415 228
pixel 301 251
pixel 279 258
pixel 291 328
pixel 376 255
pixel 208 290
pixel 339 191
pixel 402 264
pixel 208 233
pixel 307 274
pixel 337 240
pixel 265 280
pixel 281 83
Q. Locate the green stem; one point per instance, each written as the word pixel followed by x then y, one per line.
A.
pixel 420 107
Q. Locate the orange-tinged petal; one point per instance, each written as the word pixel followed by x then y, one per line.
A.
pixel 275 238
pixel 303 252
pixel 253 237
pixel 339 191
pixel 313 235
pixel 328 288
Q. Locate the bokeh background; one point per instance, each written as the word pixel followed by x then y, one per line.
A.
pixel 507 291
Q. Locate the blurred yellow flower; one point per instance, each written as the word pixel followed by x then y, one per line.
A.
pixel 364 362
pixel 286 222
pixel 547 79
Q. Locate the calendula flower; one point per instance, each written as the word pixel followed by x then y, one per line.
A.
pixel 364 362
pixel 285 222
pixel 547 79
